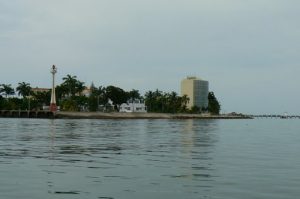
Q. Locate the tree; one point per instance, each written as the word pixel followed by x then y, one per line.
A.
pixel 173 102
pixel 117 95
pixel 42 98
pixel 2 101
pixel 184 101
pixel 82 102
pixel 7 90
pixel 195 109
pixel 156 101
pixel 69 105
pixel 72 85
pixel 102 96
pixel 134 94
pixel 149 100
pixel 97 97
pixel 159 101
pixel 61 91
pixel 93 103
pixel 23 89
pixel 214 106
pixel 93 98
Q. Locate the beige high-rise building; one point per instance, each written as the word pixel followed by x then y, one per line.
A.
pixel 197 91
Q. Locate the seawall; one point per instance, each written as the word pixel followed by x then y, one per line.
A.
pixel 26 114
pixel 114 115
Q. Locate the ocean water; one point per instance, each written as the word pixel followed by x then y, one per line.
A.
pixel 176 159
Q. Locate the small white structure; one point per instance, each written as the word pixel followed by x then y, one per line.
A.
pixel 133 106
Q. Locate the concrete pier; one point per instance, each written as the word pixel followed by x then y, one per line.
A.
pixel 276 116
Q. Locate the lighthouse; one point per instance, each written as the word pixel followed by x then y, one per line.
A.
pixel 53 106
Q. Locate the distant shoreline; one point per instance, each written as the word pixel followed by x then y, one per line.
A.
pixel 114 115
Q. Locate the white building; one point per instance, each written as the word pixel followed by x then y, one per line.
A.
pixel 133 106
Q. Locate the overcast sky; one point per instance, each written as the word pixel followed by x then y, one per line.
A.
pixel 247 50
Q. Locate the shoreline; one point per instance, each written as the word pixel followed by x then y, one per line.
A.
pixel 114 115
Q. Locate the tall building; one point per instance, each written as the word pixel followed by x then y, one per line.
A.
pixel 197 91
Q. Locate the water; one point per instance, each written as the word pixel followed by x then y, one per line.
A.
pixel 112 159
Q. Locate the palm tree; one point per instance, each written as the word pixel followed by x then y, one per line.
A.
pixel 133 95
pixel 149 100
pixel 102 96
pixel 173 101
pixel 24 89
pixel 69 83
pixel 7 90
pixel 61 91
pixel 184 101
pixel 73 85
pixel 79 87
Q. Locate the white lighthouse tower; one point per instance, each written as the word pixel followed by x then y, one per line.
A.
pixel 53 106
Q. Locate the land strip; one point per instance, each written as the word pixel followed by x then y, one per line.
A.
pixel 100 115
pixel 113 115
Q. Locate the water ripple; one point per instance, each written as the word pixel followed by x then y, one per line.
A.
pixel 148 159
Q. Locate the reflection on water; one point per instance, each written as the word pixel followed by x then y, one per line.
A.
pixel 197 144
pixel 115 159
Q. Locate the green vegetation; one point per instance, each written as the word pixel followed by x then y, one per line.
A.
pixel 162 102
pixel 214 106
pixel 24 89
pixel 71 96
pixel 71 86
pixel 117 95
pixel 7 90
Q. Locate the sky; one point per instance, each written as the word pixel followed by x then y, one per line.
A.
pixel 247 50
